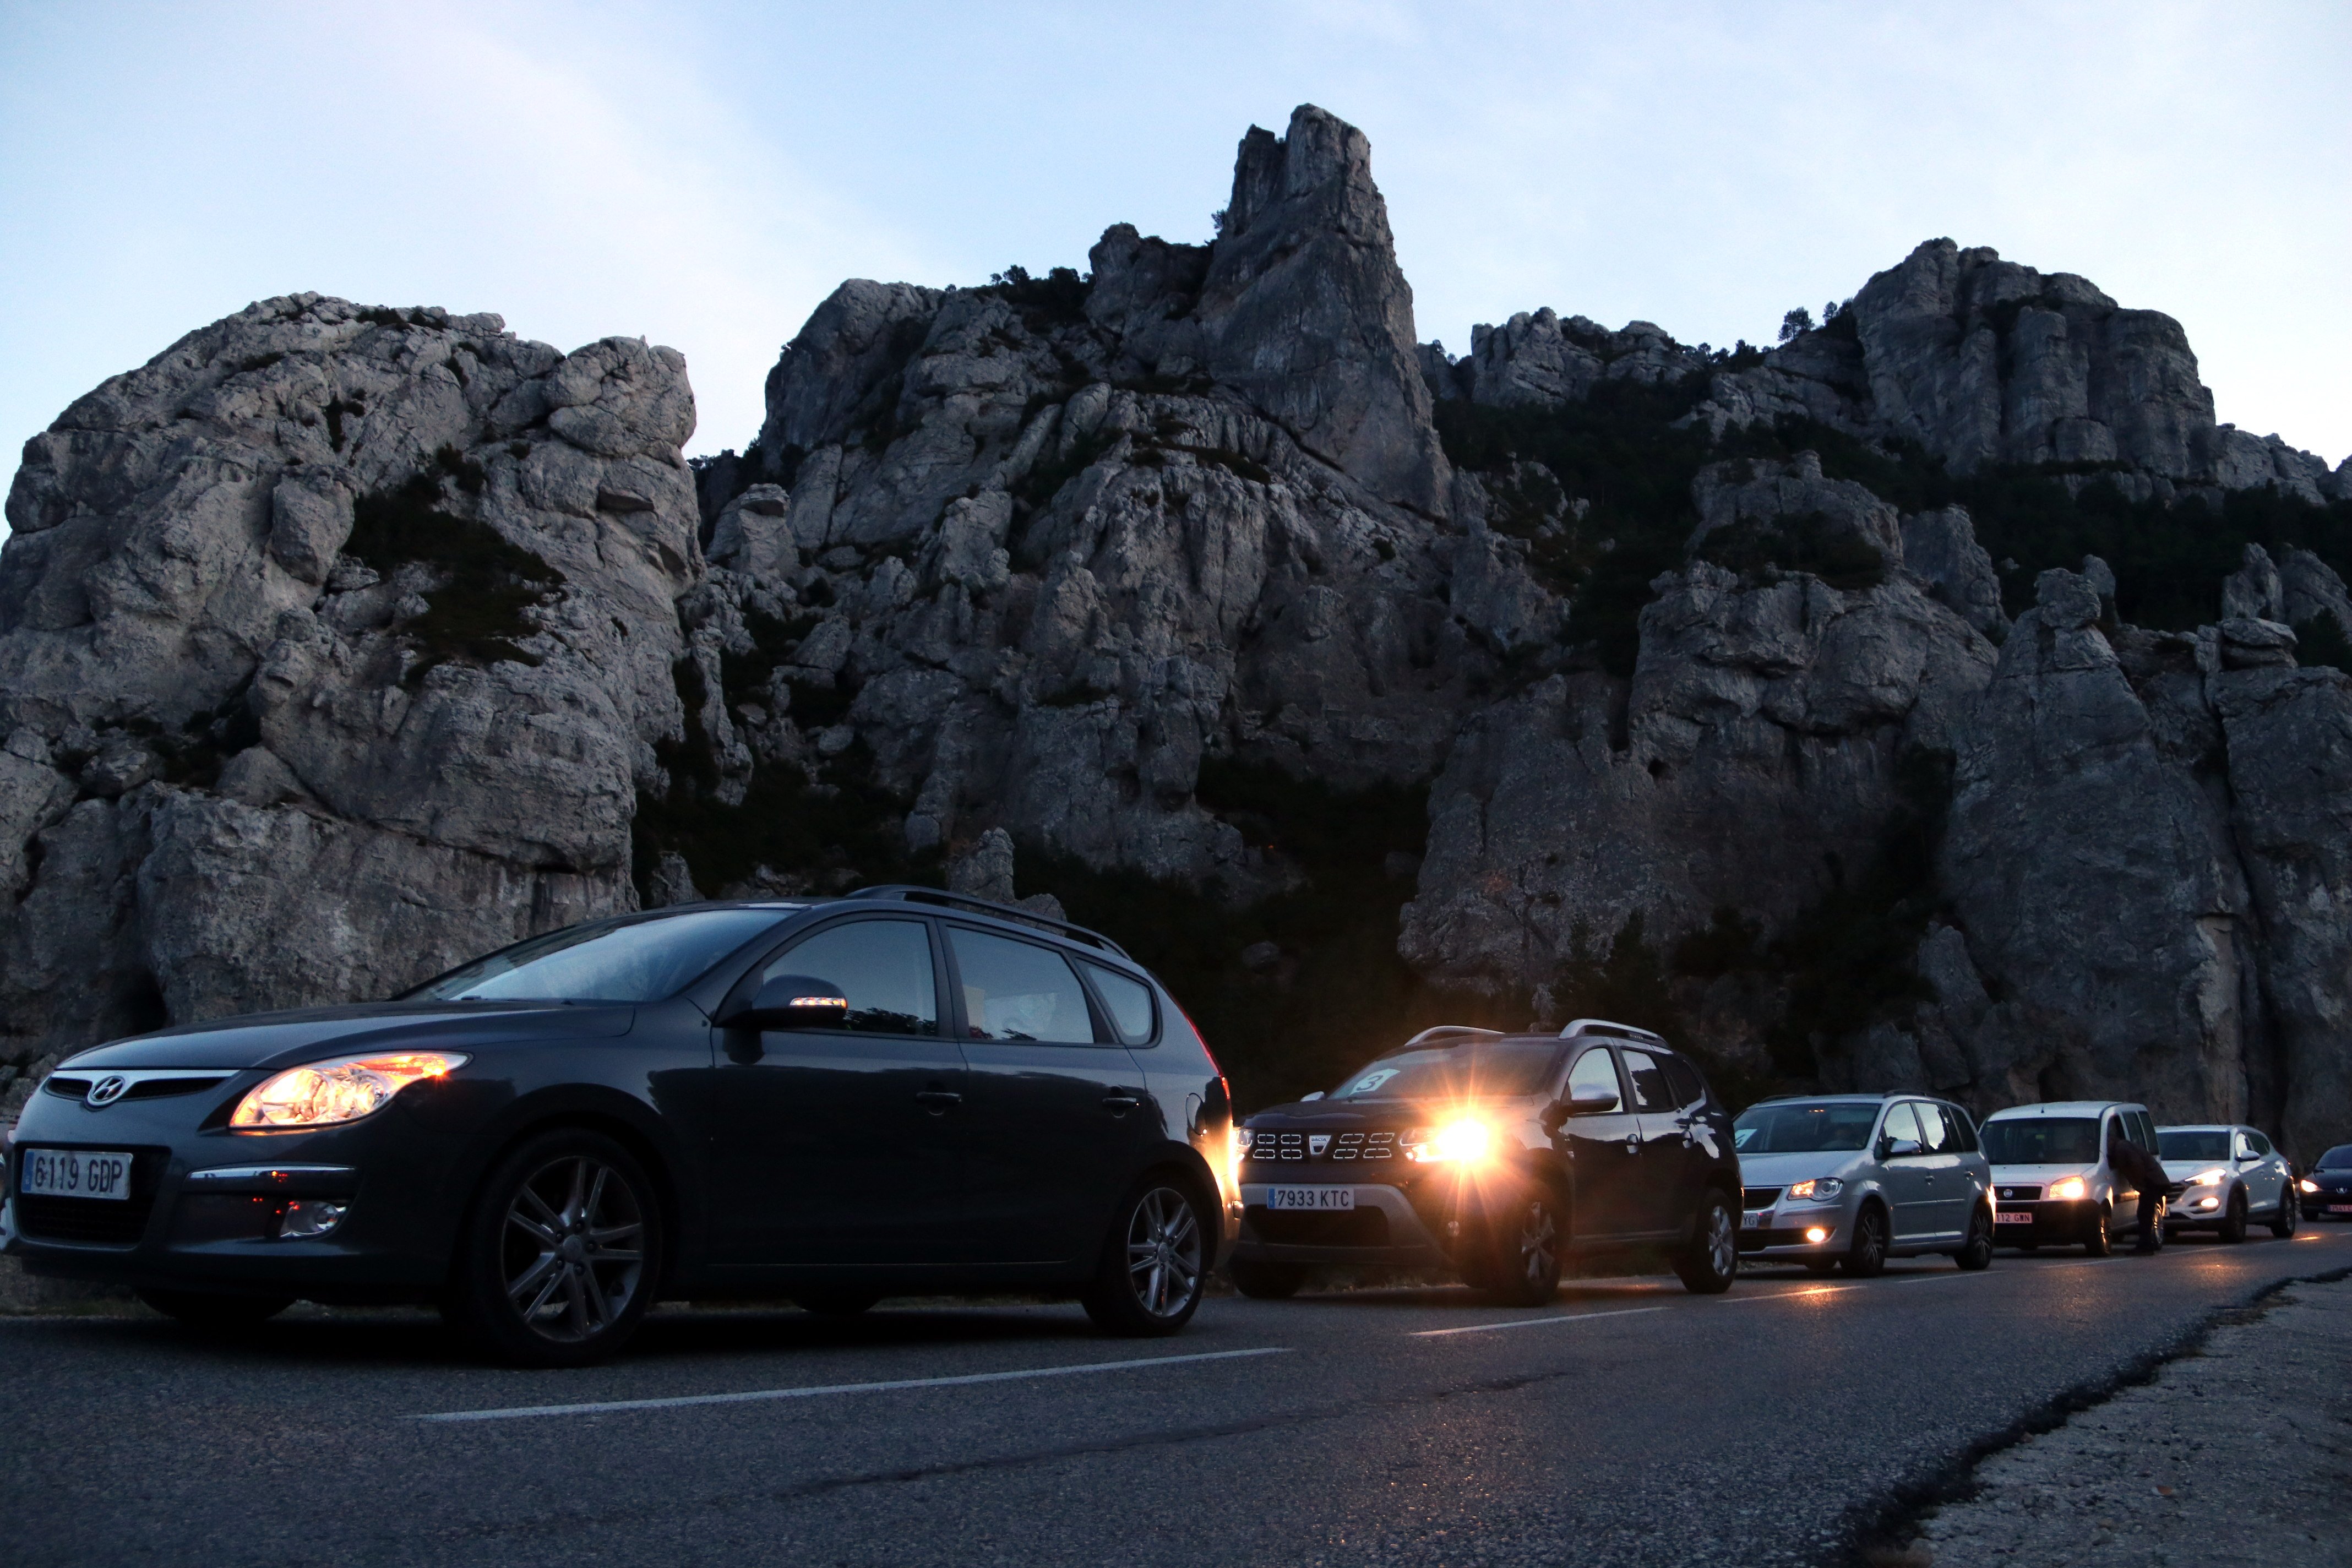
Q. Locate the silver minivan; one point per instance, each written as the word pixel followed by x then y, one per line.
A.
pixel 1852 1180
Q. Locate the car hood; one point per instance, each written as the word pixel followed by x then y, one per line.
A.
pixel 1326 1115
pixel 282 1040
pixel 1780 1170
pixel 2181 1170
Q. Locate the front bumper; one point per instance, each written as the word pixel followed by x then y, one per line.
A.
pixel 2050 1222
pixel 1384 1227
pixel 1783 1231
pixel 204 1206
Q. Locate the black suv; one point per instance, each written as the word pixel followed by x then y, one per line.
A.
pixel 1495 1155
pixel 830 1100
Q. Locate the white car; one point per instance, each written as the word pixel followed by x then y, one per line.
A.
pixel 2053 1178
pixel 2225 1176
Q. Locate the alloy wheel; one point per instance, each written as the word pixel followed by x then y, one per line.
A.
pixel 1163 1254
pixel 572 1251
pixel 1867 1257
pixel 2290 1214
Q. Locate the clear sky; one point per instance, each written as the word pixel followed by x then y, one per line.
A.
pixel 703 174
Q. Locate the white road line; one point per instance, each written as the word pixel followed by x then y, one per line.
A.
pixel 522 1412
pixel 1531 1323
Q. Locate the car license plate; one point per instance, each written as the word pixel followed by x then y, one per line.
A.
pixel 2339 1209
pixel 1323 1198
pixel 1756 1221
pixel 2013 1216
pixel 74 1174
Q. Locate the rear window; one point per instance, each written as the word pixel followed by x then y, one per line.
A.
pixel 1484 1070
pixel 2042 1140
pixel 1804 1128
pixel 2193 1145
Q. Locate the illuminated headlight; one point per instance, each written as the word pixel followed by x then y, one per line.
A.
pixel 1463 1142
pixel 321 1094
pixel 1820 1189
pixel 2071 1187
pixel 2307 1185
pixel 2212 1178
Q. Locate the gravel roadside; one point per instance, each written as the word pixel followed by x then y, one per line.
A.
pixel 2240 1451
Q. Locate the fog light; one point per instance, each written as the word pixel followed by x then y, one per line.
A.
pixel 306 1220
pixel 1817 1235
pixel 2207 1204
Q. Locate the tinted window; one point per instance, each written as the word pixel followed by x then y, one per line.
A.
pixel 1803 1128
pixel 1934 1136
pixel 1507 1068
pixel 2261 1144
pixel 631 960
pixel 2336 1158
pixel 2042 1140
pixel 2143 1128
pixel 1963 1129
pixel 1018 991
pixel 1683 1079
pixel 884 967
pixel 1650 1090
pixel 2114 1129
pixel 1128 1003
pixel 2193 1145
pixel 1901 1124
pixel 1594 1076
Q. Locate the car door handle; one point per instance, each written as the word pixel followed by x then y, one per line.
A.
pixel 937 1101
pixel 1118 1102
pixel 1633 1143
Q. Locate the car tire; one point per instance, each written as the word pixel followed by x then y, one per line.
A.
pixel 1866 1255
pixel 1976 1251
pixel 1522 1248
pixel 835 1303
pixel 560 1254
pixel 2290 1214
pixel 2102 1239
pixel 2234 1223
pixel 1154 1262
pixel 1711 1262
pixel 1266 1281
pixel 211 1313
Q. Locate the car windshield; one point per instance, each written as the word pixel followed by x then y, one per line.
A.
pixel 2337 1159
pixel 1803 1128
pixel 2193 1144
pixel 633 961
pixel 1487 1070
pixel 2042 1140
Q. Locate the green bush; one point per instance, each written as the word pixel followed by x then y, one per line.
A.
pixel 486 584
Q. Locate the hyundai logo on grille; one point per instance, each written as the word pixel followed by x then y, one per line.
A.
pixel 107 1090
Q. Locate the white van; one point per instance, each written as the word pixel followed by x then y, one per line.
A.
pixel 2052 1182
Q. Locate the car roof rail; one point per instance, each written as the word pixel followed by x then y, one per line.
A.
pixel 1614 1031
pixel 1445 1032
pixel 915 893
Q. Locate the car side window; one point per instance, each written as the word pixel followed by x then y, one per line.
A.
pixel 1963 1129
pixel 2261 1145
pixel 1594 1077
pixel 884 967
pixel 2244 1150
pixel 1649 1079
pixel 1018 991
pixel 1128 1003
pixel 1900 1123
pixel 1684 1079
pixel 2115 1134
pixel 1935 1137
pixel 2143 1130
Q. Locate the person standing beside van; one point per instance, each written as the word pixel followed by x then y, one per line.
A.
pixel 2146 1172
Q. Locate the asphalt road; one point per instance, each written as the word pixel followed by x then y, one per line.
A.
pixel 1630 1423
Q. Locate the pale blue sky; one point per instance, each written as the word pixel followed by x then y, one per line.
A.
pixel 703 174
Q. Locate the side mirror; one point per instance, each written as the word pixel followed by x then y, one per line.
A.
pixel 1897 1148
pixel 791 1002
pixel 1560 1110
pixel 1317 1094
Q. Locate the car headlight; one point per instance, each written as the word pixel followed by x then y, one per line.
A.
pixel 2212 1178
pixel 1820 1189
pixel 320 1094
pixel 1466 1142
pixel 2071 1187
pixel 2307 1185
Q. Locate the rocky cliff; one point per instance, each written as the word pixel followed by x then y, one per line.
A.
pixel 1769 695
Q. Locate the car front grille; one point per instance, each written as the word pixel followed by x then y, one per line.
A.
pixel 66 1087
pixel 1757 1198
pixel 96 1221
pixel 1273 1146
pixel 2018 1194
pixel 1347 1228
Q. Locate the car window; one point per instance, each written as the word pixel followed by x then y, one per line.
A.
pixel 2114 1132
pixel 640 959
pixel 1934 1136
pixel 1018 991
pixel 2179 1145
pixel 1804 1128
pixel 2041 1141
pixel 1900 1122
pixel 1594 1075
pixel 1963 1129
pixel 2143 1129
pixel 884 967
pixel 2261 1145
pixel 2243 1148
pixel 1684 1079
pixel 1649 1081
pixel 1128 1003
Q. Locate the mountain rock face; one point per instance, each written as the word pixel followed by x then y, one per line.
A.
pixel 337 644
